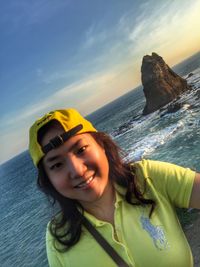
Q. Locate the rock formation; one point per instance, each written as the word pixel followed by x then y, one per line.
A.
pixel 160 83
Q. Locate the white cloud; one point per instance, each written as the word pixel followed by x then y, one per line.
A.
pixel 163 29
pixel 54 76
pixel 94 35
pixel 71 95
pixel 168 26
pixel 86 96
pixel 155 30
pixel 137 31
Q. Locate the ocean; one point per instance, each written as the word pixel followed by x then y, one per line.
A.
pixel 172 137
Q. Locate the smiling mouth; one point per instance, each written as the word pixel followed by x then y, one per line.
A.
pixel 84 184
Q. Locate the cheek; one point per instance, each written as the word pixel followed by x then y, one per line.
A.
pixel 59 181
pixel 101 158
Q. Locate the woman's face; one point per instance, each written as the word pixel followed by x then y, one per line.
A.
pixel 79 168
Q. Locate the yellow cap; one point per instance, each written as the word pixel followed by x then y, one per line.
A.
pixel 68 118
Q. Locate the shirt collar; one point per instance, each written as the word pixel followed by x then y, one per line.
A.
pixel 119 193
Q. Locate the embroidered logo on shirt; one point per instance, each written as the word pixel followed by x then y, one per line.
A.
pixel 156 233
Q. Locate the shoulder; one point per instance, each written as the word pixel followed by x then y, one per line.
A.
pixel 160 170
pixel 170 180
pixel 52 253
pixel 52 230
pixel 55 250
pixel 50 239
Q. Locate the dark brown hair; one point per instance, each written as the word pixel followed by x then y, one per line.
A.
pixel 66 227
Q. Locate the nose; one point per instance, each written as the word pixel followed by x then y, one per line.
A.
pixel 76 167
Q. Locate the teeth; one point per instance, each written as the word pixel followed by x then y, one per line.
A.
pixel 82 184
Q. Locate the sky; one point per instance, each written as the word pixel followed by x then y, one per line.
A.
pixel 82 54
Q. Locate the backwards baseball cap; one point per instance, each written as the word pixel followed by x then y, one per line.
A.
pixel 71 121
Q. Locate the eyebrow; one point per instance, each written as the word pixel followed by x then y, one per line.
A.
pixel 50 159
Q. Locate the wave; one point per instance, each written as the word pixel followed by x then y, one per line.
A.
pixel 148 144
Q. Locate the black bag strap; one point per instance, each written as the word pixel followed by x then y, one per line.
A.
pixel 105 245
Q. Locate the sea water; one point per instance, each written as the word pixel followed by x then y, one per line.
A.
pixel 172 137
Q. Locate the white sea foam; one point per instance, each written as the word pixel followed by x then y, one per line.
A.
pixel 148 144
pixel 194 80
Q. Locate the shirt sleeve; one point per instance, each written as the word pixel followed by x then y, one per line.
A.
pixel 172 181
pixel 53 256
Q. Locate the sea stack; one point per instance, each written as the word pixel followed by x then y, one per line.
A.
pixel 160 83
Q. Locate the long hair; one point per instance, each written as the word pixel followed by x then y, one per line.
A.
pixel 66 227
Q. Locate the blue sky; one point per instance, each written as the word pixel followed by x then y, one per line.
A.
pixel 82 54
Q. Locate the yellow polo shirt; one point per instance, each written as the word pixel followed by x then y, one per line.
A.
pixel 140 241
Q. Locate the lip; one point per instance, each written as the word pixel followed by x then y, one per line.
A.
pixel 85 184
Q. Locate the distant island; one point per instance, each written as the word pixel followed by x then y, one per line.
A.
pixel 160 83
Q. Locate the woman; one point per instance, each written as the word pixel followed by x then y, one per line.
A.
pixel 132 206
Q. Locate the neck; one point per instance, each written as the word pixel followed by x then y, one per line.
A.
pixel 103 208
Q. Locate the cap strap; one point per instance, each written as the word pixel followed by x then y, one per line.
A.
pixel 60 139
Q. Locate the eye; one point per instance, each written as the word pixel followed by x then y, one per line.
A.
pixel 56 166
pixel 81 150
